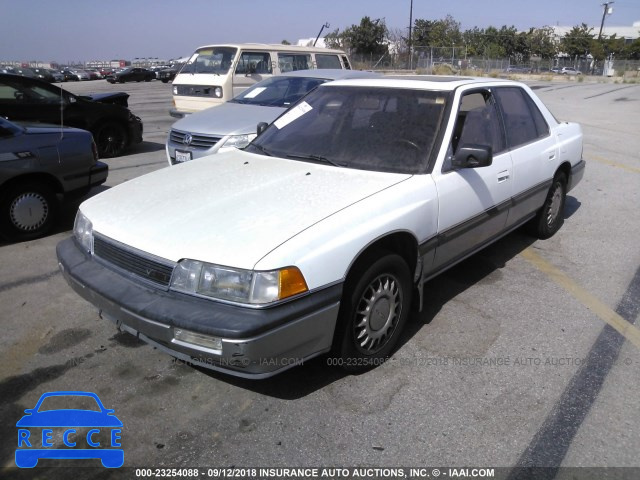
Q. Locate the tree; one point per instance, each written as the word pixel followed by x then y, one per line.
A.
pixel 285 42
pixel 578 41
pixel 542 42
pixel 436 33
pixel 334 40
pixel 368 37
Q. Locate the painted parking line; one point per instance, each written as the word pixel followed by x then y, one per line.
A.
pixel 604 312
pixel 611 163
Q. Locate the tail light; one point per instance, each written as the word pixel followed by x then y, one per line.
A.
pixel 94 149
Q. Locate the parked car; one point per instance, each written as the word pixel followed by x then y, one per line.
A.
pixel 168 74
pixel 39 162
pixel 23 72
pixel 131 74
pixel 75 75
pixel 518 69
pixel 233 124
pixel 314 237
pixel 570 71
pixel 113 126
pixel 43 74
pixel 93 74
pixel 57 76
pixel 69 76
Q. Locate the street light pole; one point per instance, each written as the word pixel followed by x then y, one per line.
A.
pixel 410 41
pixel 326 25
pixel 604 14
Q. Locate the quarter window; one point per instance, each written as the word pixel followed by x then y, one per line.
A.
pixel 328 61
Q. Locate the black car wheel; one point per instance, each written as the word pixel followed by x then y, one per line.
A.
pixel 550 217
pixel 111 139
pixel 27 210
pixel 374 308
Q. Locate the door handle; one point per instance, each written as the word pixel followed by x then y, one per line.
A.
pixel 503 176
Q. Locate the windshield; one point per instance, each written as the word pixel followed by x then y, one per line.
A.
pixel 210 60
pixel 278 91
pixel 368 128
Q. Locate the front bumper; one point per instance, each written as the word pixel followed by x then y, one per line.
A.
pixel 256 343
pixel 135 130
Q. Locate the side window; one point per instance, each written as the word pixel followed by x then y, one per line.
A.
pixel 328 61
pixel 478 123
pixel 523 121
pixel 290 62
pixel 9 94
pixel 345 60
pixel 254 62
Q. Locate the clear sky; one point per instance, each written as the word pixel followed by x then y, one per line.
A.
pixel 69 30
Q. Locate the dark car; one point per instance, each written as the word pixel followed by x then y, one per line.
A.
pixel 44 74
pixel 168 74
pixel 132 74
pixel 113 126
pixel 37 163
pixel 69 76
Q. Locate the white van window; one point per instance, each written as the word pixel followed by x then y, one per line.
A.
pixel 254 62
pixel 327 61
pixel 290 62
pixel 210 60
pixel 345 60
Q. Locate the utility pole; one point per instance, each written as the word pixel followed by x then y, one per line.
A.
pixel 410 41
pixel 605 12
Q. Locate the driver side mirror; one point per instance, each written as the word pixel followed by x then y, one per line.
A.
pixel 472 156
pixel 262 126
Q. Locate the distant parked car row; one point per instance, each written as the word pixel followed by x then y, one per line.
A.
pixel 131 74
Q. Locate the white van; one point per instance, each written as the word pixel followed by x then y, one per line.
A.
pixel 217 73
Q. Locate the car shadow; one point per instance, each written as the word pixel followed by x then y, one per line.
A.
pixel 144 147
pixel 571 206
pixel 316 374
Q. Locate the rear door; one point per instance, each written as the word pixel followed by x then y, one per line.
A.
pixel 533 150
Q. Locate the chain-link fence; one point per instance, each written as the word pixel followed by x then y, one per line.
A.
pixel 456 60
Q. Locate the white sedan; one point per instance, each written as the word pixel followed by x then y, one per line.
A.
pixel 314 238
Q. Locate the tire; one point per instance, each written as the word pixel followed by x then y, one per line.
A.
pixel 111 139
pixel 164 80
pixel 28 210
pixel 550 217
pixel 374 309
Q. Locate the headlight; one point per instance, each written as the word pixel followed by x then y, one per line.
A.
pixel 217 91
pixel 237 285
pixel 83 231
pixel 175 90
pixel 239 141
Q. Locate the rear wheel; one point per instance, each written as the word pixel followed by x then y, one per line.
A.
pixel 111 139
pixel 373 311
pixel 28 210
pixel 550 217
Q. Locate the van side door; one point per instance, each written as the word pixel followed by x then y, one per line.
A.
pixel 252 67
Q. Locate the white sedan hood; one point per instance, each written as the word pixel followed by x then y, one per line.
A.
pixel 231 210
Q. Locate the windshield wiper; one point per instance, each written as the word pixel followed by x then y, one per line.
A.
pixel 262 149
pixel 316 159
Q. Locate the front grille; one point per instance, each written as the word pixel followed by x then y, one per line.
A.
pixel 133 261
pixel 197 140
pixel 195 90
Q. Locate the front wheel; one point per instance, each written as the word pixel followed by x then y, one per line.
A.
pixel 28 210
pixel 111 139
pixel 550 217
pixel 373 312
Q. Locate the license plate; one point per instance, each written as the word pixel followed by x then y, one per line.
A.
pixel 182 156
